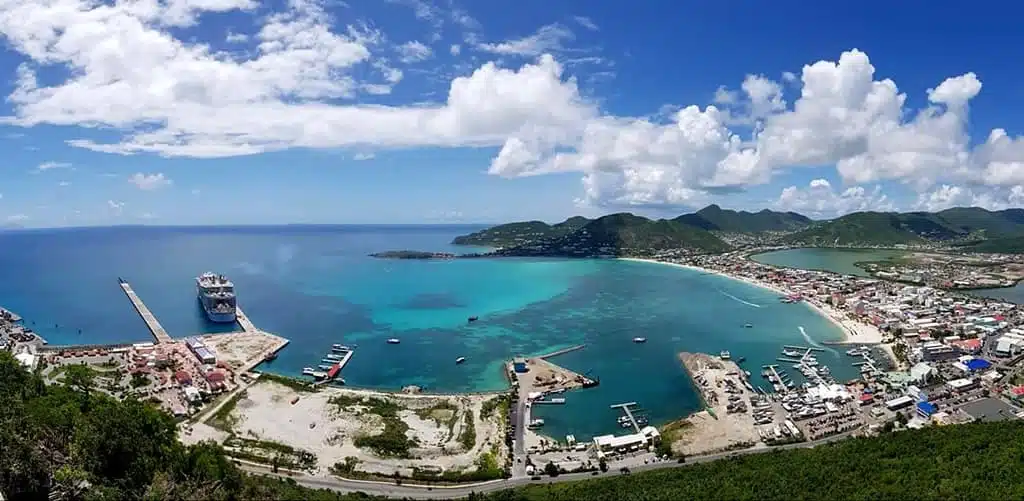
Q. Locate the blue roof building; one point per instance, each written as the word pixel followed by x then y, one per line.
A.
pixel 926 409
pixel 977 364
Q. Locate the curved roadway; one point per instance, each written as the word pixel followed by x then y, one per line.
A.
pixel 460 491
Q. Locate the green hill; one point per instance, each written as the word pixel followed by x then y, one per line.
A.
pixel 960 224
pixel 984 223
pixel 513 234
pixel 714 218
pixel 971 461
pixel 1008 245
pixel 614 234
pixel 627 231
pixel 859 228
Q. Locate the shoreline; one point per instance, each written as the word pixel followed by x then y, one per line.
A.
pixel 853 332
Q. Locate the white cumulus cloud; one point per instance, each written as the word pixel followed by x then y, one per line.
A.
pixel 819 199
pixel 149 182
pixel 414 51
pixel 127 67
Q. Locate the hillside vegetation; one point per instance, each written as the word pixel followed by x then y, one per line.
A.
pixel 974 461
pixel 614 234
pixel 72 443
pixel 957 225
pixel 513 234
pixel 715 218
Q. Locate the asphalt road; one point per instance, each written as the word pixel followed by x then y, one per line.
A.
pixel 461 491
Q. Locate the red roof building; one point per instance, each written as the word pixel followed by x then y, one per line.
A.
pixel 183 377
pixel 215 377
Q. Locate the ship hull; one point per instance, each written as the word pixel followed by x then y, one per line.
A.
pixel 220 318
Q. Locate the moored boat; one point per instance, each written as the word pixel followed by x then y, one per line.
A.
pixel 724 355
pixel 217 295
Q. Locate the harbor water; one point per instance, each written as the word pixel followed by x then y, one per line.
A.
pixel 316 286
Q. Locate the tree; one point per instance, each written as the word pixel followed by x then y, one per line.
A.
pixel 80 378
pixel 551 469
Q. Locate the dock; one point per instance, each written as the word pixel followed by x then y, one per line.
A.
pixel 629 413
pixel 243 320
pixel 154 326
pixel 562 351
pixel 777 378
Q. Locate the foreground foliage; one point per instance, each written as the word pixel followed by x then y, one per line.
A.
pixel 974 461
pixel 71 442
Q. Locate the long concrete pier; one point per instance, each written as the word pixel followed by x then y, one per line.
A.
pixel 155 328
pixel 244 321
pixel 562 351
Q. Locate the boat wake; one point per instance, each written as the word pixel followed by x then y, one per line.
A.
pixel 748 303
pixel 814 343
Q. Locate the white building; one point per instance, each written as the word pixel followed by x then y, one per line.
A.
pixel 27 359
pixel 648 435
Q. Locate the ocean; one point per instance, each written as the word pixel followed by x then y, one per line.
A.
pixel 316 286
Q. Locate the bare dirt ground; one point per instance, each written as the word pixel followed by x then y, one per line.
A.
pixel 314 424
pixel 242 350
pixel 707 432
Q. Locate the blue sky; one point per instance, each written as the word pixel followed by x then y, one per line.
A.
pixel 301 111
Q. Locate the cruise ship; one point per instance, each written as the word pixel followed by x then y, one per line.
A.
pixel 217 295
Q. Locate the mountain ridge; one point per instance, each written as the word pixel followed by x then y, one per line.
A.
pixel 702 230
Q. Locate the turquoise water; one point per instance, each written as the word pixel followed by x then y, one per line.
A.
pixel 316 286
pixel 834 260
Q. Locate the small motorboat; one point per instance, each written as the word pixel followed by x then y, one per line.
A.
pixel 639 340
pixel 460 360
pixel 747 326
pixel 473 319
pixel 394 340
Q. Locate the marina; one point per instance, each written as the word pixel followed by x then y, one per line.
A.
pixel 331 366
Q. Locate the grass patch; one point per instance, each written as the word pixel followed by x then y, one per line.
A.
pixel 499 404
pixel 270 452
pixel 468 436
pixel 222 419
pixel 670 433
pixel 445 414
pixel 393 441
pixel 293 383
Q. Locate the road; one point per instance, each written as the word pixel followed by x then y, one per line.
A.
pixel 461 491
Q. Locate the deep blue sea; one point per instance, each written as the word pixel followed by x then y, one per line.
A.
pixel 316 286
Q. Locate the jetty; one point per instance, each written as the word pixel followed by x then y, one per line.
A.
pixel 629 413
pixel 243 320
pixel 154 326
pixel 563 351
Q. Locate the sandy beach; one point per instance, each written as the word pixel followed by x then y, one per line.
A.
pixel 854 332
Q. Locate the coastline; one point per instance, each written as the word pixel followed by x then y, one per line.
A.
pixel 853 332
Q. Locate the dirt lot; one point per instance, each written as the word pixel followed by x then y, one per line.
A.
pixel 329 422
